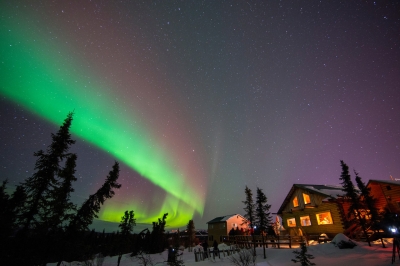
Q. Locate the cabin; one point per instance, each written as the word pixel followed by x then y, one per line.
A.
pixel 314 210
pixel 387 195
pixel 221 226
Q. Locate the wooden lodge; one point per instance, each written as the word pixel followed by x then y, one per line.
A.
pixel 221 226
pixel 387 195
pixel 314 210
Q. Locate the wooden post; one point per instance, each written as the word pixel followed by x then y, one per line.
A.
pixel 279 242
pixel 290 241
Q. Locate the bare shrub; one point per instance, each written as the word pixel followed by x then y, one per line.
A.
pixel 143 259
pixel 244 257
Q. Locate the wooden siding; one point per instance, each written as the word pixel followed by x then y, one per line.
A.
pixel 316 200
pixel 314 228
pixel 387 196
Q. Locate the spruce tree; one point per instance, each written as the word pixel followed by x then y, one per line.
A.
pixel 62 207
pixel 369 202
pixel 10 208
pixel 157 235
pixel 262 215
pixel 74 244
pixel 302 256
pixel 128 221
pixel 40 185
pixel 355 204
pixel 249 208
pixel 5 221
pixel 90 207
pixel 250 214
pixel 191 233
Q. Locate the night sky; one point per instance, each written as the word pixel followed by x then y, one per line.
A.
pixel 197 99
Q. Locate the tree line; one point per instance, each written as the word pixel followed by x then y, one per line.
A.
pixel 39 223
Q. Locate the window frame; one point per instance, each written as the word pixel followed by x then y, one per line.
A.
pixel 295 202
pixel 309 220
pixel 291 219
pixel 319 222
pixel 305 197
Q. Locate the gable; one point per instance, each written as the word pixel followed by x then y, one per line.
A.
pixel 301 196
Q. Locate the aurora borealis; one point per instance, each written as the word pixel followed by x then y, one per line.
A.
pixel 197 99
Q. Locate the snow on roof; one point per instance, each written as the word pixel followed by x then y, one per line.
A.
pixel 223 218
pixel 330 191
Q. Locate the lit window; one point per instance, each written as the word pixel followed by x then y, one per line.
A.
pixel 306 199
pixel 363 213
pixel 295 202
pixel 324 218
pixel 291 222
pixel 305 220
pixel 234 225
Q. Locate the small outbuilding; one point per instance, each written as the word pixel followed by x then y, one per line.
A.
pixel 221 226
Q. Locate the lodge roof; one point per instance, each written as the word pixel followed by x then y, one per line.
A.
pixel 390 182
pixel 224 218
pixel 329 191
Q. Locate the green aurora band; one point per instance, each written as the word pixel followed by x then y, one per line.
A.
pixel 38 76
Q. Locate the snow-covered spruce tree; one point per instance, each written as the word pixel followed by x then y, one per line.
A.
pixel 355 204
pixel 369 201
pixel 250 213
pixel 302 256
pixel 128 221
pixel 39 187
pixel 191 234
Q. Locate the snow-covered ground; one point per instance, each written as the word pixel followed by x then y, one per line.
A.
pixel 325 254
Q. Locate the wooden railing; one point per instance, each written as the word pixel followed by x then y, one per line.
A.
pixel 201 255
pixel 267 241
pixel 248 242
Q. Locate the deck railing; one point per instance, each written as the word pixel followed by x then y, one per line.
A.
pixel 260 241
